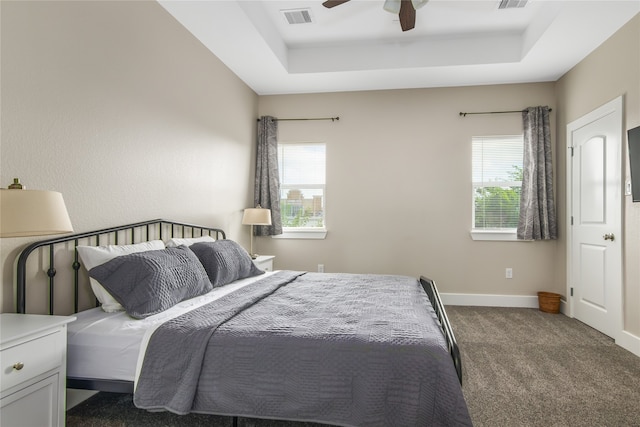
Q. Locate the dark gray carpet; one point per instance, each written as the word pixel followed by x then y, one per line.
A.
pixel 521 367
pixel 524 367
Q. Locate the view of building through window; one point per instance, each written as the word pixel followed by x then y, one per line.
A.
pixel 302 184
pixel 497 181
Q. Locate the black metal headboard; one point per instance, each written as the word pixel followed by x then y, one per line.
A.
pixel 124 234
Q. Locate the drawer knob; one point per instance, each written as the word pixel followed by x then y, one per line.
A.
pixel 18 366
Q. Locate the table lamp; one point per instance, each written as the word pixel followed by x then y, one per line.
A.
pixel 256 216
pixel 32 212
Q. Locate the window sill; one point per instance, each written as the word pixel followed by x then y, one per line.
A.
pixel 309 234
pixel 495 235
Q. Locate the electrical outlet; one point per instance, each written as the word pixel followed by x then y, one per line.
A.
pixel 508 273
pixel 320 268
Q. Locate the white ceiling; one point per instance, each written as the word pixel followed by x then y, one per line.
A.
pixel 360 46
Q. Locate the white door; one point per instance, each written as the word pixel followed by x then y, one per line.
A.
pixel 594 177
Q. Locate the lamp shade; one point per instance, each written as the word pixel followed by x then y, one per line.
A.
pixel 256 216
pixel 32 213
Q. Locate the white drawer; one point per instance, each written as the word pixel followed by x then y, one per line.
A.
pixel 36 356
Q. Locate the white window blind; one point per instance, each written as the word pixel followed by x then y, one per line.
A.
pixel 497 181
pixel 302 185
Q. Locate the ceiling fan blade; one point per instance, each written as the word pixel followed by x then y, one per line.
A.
pixel 332 3
pixel 407 15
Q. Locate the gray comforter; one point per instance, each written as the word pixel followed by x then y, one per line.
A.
pixel 344 349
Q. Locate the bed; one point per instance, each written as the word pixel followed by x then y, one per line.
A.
pixel 203 330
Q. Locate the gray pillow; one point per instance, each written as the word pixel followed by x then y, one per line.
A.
pixel 225 261
pixel 146 283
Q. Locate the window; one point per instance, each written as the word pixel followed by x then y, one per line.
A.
pixel 497 183
pixel 302 188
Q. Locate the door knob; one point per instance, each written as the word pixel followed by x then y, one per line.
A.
pixel 609 236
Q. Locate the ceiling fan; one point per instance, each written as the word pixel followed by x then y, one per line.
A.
pixel 405 9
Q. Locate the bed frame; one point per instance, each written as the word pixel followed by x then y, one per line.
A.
pixel 434 296
pixel 61 252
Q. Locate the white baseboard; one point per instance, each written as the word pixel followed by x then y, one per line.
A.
pixel 484 300
pixel 630 342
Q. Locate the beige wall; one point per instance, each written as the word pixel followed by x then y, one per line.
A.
pixel 610 71
pixel 399 186
pixel 118 107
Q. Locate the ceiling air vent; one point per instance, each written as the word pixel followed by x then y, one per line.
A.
pixel 297 16
pixel 511 4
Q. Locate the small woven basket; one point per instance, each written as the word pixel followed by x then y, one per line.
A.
pixel 549 302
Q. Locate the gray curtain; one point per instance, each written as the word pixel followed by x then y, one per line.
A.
pixel 537 209
pixel 267 185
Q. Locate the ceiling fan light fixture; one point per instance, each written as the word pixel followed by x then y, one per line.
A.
pixel 417 4
pixel 405 9
pixel 392 6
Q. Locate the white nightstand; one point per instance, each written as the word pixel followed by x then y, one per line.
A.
pixel 33 355
pixel 264 262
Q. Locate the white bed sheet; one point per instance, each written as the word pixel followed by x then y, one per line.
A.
pixel 107 345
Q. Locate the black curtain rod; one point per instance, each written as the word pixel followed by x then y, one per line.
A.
pixel 496 112
pixel 333 119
